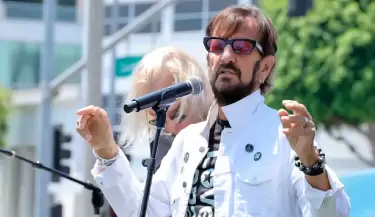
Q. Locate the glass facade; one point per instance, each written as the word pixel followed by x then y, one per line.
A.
pixel 190 15
pixel 20 62
pixel 33 9
pixel 195 14
pixel 118 17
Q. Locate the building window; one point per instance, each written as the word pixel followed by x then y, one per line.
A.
pixel 193 15
pixel 141 8
pixel 218 5
pixel 187 24
pixel 71 3
pixel 121 25
pixel 107 29
pixel 20 62
pixel 33 9
pixel 126 13
pixel 188 15
pixel 191 6
pixel 118 112
pixel 25 1
pixel 152 27
pixel 59 2
pixel 108 11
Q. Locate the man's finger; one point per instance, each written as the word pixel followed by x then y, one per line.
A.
pixel 287 101
pixel 297 108
pixel 298 131
pixel 92 110
pixel 83 121
pixel 85 133
pixel 282 114
pixel 86 110
pixel 297 120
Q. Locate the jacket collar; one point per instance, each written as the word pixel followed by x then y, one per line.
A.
pixel 239 113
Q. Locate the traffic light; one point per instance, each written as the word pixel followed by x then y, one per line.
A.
pixel 59 151
pixel 56 210
pixel 298 8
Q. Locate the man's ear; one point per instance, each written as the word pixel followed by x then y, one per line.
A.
pixel 266 66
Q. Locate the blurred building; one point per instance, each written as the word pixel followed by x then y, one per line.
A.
pixel 21 37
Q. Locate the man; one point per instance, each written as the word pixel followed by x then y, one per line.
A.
pixel 242 160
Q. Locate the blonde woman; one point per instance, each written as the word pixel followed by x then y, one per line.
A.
pixel 159 69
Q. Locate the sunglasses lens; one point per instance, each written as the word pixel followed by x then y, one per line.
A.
pixel 215 45
pixel 152 122
pixel 243 46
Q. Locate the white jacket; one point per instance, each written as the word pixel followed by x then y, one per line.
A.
pixel 243 187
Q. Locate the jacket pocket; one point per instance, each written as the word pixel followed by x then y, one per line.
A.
pixel 255 191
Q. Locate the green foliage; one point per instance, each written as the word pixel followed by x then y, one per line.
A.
pixel 326 61
pixel 4 111
pixel 272 5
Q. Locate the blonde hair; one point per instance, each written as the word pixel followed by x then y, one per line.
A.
pixel 181 66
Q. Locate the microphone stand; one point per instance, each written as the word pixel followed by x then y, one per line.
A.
pixel 161 113
pixel 97 197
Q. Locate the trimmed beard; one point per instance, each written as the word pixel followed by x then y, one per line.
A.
pixel 226 95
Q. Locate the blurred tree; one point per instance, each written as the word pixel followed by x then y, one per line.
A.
pixel 326 61
pixel 4 110
pixel 271 5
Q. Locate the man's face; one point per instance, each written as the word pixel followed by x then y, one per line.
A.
pixel 234 76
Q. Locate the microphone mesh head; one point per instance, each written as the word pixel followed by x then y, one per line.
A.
pixel 196 85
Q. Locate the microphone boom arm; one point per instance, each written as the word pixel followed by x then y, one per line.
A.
pixel 97 198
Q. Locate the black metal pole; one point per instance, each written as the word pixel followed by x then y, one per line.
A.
pixel 150 163
pixel 97 199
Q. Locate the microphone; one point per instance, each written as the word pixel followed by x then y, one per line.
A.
pixel 165 96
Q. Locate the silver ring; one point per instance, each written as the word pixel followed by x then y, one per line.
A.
pixel 306 122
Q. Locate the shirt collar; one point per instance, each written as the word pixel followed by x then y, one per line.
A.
pixel 238 113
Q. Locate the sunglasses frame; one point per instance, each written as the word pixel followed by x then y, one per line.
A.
pixel 231 42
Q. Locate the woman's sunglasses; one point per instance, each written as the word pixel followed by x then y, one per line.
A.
pixel 183 117
pixel 240 46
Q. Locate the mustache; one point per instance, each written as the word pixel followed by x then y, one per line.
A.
pixel 229 66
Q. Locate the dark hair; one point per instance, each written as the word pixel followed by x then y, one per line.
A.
pixel 230 20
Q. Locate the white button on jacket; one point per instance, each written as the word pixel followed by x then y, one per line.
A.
pixel 243 186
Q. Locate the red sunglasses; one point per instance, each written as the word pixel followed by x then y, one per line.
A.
pixel 240 46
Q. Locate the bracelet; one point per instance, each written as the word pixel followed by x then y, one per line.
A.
pixel 105 162
pixel 316 169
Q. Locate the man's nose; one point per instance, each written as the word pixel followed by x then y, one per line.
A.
pixel 228 54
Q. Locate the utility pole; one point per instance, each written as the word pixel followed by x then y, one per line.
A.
pixel 93 29
pixel 111 102
pixel 43 200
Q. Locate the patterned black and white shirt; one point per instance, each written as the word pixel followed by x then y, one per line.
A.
pixel 201 201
